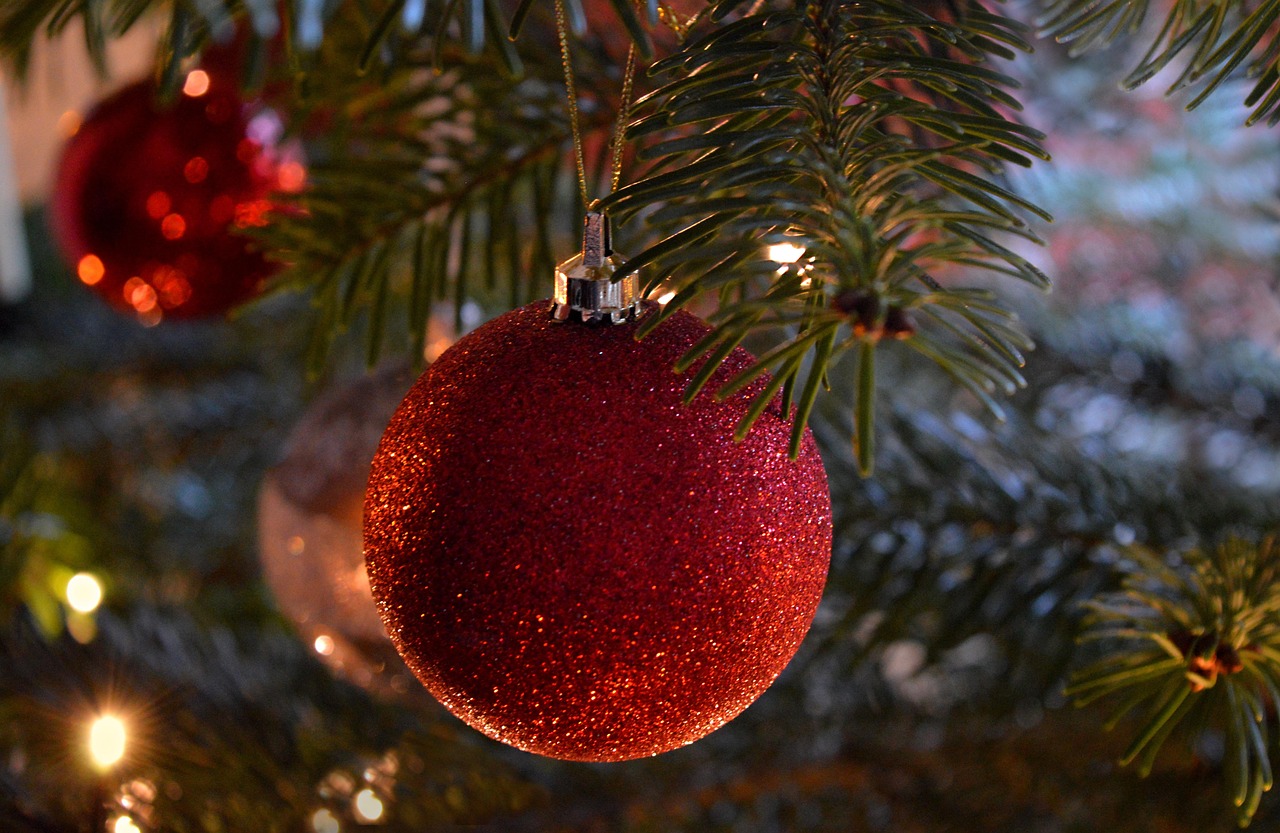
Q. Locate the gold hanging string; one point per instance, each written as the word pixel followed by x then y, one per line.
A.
pixel 575 116
pixel 562 28
pixel 624 112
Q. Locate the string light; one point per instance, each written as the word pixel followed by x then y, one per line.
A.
pixel 367 805
pixel 324 645
pixel 106 741
pixel 124 824
pixel 322 821
pixel 784 252
pixel 84 593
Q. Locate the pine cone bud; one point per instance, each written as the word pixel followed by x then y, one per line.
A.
pixel 898 324
pixel 863 308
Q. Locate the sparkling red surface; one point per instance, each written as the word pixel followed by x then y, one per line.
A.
pixel 147 196
pixel 574 562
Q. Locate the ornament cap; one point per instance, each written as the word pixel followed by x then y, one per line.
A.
pixel 585 290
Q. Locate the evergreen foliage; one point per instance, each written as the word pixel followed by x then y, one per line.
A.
pixel 1214 40
pixel 869 135
pixel 875 136
pixel 1201 646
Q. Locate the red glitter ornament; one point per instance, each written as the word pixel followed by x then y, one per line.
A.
pixel 576 563
pixel 147 197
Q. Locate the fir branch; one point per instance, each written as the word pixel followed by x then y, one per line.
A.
pixel 16 459
pixel 1194 644
pixel 429 187
pixel 870 135
pixel 232 731
pixel 44 534
pixel 390 28
pixel 1218 40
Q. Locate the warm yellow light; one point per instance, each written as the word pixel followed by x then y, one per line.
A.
pixel 784 253
pixel 324 645
pixel 124 824
pixel 106 741
pixel 665 298
pixel 84 593
pixel 367 805
pixel 322 821
pixel 197 83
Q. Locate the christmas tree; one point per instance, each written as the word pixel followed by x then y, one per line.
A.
pixel 597 528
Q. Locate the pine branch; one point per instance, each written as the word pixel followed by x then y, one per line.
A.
pixel 1218 40
pixel 390 28
pixel 1194 644
pixel 44 535
pixel 992 538
pixel 428 187
pixel 870 136
pixel 228 730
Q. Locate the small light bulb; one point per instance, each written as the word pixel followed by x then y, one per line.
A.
pixel 106 741
pixel 322 821
pixel 124 824
pixel 367 805
pixel 324 645
pixel 84 593
pixel 784 253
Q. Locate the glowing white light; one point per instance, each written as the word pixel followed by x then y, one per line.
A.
pixel 124 824
pixel 322 821
pixel 84 593
pixel 784 253
pixel 367 805
pixel 324 645
pixel 665 298
pixel 106 741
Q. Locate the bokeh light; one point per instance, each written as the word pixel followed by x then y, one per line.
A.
pixel 84 593
pixel 322 821
pixel 106 741
pixel 367 806
pixel 125 824
pixel 784 253
pixel 197 83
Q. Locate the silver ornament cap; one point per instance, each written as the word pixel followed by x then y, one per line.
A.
pixel 585 290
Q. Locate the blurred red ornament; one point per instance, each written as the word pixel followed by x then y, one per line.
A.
pixel 576 563
pixel 148 196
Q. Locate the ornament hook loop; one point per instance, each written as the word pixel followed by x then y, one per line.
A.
pixel 585 290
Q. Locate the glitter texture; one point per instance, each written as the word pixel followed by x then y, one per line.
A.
pixel 574 562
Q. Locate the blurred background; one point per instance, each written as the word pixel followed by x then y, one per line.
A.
pixel 186 556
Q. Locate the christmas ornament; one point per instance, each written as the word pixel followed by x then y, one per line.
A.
pixel 569 558
pixel 148 196
pixel 309 533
